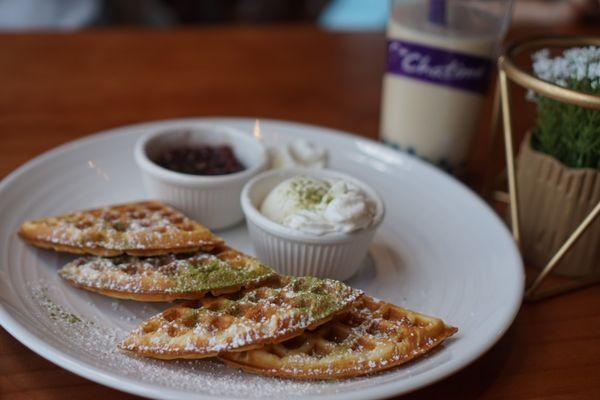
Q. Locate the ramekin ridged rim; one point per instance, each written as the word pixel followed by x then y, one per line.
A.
pixel 177 178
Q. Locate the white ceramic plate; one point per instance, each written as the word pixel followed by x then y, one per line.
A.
pixel 440 251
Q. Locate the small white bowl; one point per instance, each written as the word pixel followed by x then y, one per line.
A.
pixel 334 255
pixel 212 200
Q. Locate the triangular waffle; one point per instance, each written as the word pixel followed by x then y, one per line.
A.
pixel 253 318
pixel 166 278
pixel 371 336
pixel 141 229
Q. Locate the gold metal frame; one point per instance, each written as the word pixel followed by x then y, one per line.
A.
pixel 507 69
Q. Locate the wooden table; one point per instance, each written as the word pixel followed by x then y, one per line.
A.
pixel 58 87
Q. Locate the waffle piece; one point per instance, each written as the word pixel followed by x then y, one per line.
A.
pixel 146 228
pixel 253 318
pixel 371 336
pixel 167 278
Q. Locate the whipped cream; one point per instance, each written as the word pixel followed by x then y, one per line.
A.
pixel 316 206
pixel 299 153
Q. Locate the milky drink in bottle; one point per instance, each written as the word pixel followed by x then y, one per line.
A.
pixel 439 65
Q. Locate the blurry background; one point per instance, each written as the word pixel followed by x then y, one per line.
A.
pixel 331 14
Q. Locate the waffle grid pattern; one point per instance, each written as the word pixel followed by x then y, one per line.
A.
pixel 371 336
pixel 244 321
pixel 143 229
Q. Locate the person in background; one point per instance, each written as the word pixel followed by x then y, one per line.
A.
pixel 34 14
pixel 330 14
pixel 368 15
pixel 74 14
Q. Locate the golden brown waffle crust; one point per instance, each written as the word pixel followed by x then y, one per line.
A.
pixel 61 234
pixel 155 344
pixel 167 297
pixel 363 367
pixel 337 374
pixel 179 354
pixel 102 252
pixel 147 280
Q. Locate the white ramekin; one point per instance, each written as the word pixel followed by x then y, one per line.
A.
pixel 214 201
pixel 337 255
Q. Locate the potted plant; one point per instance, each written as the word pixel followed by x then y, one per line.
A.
pixel 558 166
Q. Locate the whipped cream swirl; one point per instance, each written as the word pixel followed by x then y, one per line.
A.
pixel 299 153
pixel 319 207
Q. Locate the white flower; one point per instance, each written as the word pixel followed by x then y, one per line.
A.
pixel 574 64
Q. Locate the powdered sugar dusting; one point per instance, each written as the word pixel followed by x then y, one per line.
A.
pixel 149 225
pixel 267 313
pixel 91 337
pixel 371 336
pixel 99 324
pixel 167 275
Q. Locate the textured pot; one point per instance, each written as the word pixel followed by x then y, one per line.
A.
pixel 553 200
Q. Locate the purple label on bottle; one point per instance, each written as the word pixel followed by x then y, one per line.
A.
pixel 439 66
